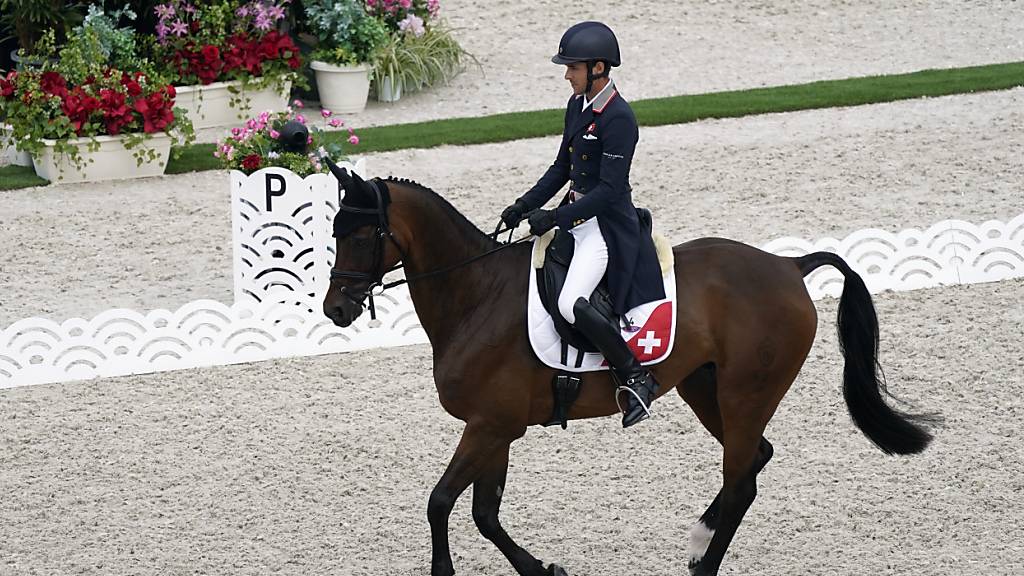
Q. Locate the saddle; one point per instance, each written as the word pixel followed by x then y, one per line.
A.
pixel 551 279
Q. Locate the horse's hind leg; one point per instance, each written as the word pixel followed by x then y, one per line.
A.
pixel 699 391
pixel 487 492
pixel 746 403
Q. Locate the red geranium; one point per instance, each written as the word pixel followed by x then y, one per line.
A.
pixel 116 113
pixel 53 84
pixel 7 84
pixel 78 105
pixel 252 162
pixel 156 109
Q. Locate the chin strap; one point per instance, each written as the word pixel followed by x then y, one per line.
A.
pixel 591 76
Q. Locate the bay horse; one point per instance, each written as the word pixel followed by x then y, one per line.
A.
pixel 745 325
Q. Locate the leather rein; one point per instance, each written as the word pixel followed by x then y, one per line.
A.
pixel 375 278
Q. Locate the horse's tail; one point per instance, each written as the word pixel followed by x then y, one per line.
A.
pixel 893 431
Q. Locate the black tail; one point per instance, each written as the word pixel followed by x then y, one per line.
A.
pixel 893 431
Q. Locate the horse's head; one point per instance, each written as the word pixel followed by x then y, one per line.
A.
pixel 365 248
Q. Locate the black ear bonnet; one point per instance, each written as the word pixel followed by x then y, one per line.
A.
pixel 364 203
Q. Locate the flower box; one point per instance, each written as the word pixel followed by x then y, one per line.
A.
pixel 210 105
pixel 111 162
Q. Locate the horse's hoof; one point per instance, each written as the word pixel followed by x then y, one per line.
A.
pixel 556 570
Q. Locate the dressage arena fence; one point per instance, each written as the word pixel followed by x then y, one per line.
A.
pixel 283 251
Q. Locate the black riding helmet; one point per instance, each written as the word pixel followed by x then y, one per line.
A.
pixel 589 42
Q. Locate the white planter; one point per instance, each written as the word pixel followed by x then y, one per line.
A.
pixel 210 105
pixel 343 89
pixel 8 153
pixel 388 90
pixel 111 162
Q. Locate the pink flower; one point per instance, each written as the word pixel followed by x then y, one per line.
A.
pixel 336 122
pixel 274 134
pixel 298 103
pixel 353 139
pixel 412 23
pixel 179 28
pixel 300 118
pixel 325 113
pixel 164 11
pixel 236 131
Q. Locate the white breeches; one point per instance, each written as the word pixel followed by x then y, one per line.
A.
pixel 588 265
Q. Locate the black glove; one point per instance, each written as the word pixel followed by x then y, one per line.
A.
pixel 541 221
pixel 513 215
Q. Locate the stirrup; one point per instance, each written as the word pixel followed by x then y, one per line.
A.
pixel 635 395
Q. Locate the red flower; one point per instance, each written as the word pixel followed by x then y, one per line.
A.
pixel 7 84
pixel 116 113
pixel 133 87
pixel 78 106
pixel 53 84
pixel 252 162
pixel 157 111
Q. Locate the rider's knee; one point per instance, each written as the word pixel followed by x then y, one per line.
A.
pixel 567 306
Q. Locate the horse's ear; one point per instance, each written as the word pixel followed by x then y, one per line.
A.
pixel 341 174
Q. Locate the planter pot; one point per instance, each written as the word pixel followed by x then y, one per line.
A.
pixel 210 105
pixel 342 89
pixel 8 153
pixel 111 162
pixel 388 90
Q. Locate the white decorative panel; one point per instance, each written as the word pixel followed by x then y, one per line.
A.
pixel 202 333
pixel 280 240
pixel 950 252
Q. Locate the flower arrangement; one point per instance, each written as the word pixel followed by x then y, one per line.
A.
pixel 218 40
pixel 421 51
pixel 347 34
pixel 81 96
pixel 285 139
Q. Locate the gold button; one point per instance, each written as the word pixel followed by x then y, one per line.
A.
pixel 572 166
pixel 584 156
pixel 570 148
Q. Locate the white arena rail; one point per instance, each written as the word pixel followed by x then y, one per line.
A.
pixel 282 256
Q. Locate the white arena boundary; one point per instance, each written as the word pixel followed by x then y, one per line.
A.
pixel 281 260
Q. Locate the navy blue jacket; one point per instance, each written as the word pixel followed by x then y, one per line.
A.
pixel 595 156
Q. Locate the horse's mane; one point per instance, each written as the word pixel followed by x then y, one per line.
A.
pixel 457 216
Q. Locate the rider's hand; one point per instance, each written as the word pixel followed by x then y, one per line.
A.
pixel 541 221
pixel 513 215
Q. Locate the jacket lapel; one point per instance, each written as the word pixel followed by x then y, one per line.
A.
pixel 587 116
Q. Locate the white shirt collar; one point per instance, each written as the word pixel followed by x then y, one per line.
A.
pixel 587 103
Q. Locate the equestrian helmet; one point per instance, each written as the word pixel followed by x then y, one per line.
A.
pixel 588 42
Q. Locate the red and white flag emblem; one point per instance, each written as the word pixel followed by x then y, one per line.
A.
pixel 651 341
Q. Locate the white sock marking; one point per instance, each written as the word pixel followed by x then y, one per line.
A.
pixel 700 538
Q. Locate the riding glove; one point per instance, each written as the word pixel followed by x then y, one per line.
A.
pixel 513 215
pixel 541 221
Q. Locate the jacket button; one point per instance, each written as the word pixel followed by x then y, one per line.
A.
pixel 570 148
pixel 583 173
pixel 584 156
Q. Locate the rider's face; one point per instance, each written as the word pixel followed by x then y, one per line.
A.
pixel 576 74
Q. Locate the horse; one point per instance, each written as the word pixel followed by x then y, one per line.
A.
pixel 744 317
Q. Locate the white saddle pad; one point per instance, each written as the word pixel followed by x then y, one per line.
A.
pixel 653 324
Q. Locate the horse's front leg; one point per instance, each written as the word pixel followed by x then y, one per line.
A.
pixel 477 448
pixel 487 492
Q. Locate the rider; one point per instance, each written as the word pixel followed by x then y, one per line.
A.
pixel 595 154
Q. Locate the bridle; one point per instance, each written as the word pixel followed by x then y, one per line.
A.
pixel 375 278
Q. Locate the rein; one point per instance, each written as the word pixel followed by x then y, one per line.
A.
pixel 376 278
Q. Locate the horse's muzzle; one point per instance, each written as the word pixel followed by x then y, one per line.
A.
pixel 340 316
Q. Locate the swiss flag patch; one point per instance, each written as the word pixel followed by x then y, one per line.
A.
pixel 654 336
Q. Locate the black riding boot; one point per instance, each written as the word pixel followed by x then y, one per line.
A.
pixel 635 382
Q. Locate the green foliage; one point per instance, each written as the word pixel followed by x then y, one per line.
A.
pixel 118 44
pixel 346 34
pixel 417 62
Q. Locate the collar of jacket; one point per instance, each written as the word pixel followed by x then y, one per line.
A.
pixel 606 96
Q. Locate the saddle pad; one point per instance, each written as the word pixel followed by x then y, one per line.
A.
pixel 651 343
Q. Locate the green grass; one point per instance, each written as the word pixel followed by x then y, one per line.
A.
pixel 662 111
pixel 12 177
